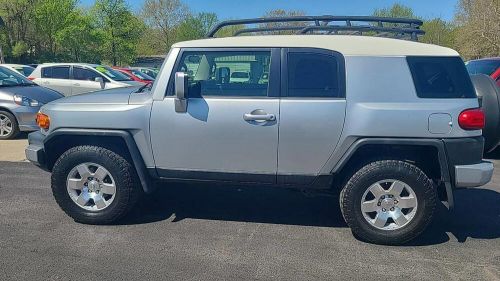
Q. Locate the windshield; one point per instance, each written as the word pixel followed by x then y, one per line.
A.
pixel 113 74
pixel 141 75
pixel 10 78
pixel 487 67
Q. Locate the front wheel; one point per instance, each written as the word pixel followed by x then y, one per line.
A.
pixel 388 202
pixel 94 185
pixel 9 128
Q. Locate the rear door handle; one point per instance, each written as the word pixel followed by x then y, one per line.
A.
pixel 76 84
pixel 259 115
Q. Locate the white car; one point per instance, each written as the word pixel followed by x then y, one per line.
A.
pixel 77 78
pixel 24 70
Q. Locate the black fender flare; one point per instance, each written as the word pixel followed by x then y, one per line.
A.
pixel 135 155
pixel 437 143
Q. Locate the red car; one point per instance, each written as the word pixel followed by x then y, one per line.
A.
pixel 135 75
pixel 489 66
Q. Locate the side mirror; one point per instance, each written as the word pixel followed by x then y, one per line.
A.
pixel 181 92
pixel 101 82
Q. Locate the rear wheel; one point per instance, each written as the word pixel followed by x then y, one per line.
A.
pixel 9 128
pixel 388 202
pixel 94 185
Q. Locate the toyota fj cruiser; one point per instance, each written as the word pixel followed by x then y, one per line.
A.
pixel 394 124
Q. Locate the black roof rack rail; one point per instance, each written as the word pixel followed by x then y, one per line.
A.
pixel 377 26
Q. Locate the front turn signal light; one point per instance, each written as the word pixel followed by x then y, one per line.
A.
pixel 43 121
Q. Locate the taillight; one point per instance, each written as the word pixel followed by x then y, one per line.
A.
pixel 472 119
pixel 31 78
pixel 42 120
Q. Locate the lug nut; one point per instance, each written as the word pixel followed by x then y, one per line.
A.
pixel 392 209
pixel 383 210
pixel 378 204
pixel 395 201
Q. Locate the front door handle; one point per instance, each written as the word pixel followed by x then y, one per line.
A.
pixel 76 84
pixel 259 115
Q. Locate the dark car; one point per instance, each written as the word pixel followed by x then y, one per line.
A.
pixel 20 101
pixel 489 66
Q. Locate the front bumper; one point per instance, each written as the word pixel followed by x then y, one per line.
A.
pixel 35 152
pixel 473 175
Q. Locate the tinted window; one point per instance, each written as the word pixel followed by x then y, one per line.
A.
pixel 441 77
pixel 113 74
pixel 84 74
pixel 240 74
pixel 313 75
pixel 56 72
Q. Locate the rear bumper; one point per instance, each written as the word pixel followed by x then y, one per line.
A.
pixel 473 175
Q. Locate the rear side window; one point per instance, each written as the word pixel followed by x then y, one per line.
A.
pixel 56 72
pixel 441 78
pixel 313 75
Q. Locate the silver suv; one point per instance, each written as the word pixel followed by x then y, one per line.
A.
pixel 392 124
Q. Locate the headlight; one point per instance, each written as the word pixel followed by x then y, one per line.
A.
pixel 24 101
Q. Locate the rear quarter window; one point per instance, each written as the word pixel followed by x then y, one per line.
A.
pixel 441 78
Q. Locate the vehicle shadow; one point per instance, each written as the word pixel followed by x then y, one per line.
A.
pixel 477 212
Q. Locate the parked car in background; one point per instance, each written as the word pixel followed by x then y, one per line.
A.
pixel 78 78
pixel 24 70
pixel 20 100
pixel 152 72
pixel 487 66
pixel 136 75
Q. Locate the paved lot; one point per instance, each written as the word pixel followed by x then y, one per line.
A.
pixel 195 232
pixel 13 150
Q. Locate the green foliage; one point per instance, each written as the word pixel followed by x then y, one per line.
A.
pixel 19 49
pixel 395 11
pixel 196 27
pixel 120 29
pixel 439 32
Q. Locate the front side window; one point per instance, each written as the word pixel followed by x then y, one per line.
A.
pixel 56 72
pixel 84 74
pixel 10 78
pixel 313 75
pixel 441 77
pixel 226 73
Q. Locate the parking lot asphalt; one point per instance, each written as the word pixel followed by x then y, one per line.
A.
pixel 204 232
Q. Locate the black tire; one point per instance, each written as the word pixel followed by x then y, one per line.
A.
pixel 15 126
pixel 489 92
pixel 128 189
pixel 351 198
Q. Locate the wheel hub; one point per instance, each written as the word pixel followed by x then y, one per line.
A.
pixel 91 186
pixel 389 204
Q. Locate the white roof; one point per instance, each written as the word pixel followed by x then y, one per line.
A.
pixel 15 65
pixel 62 63
pixel 348 45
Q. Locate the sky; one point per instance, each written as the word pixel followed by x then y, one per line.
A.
pixel 236 9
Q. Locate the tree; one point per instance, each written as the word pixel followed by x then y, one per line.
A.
pixel 165 16
pixel 196 27
pixel 395 11
pixel 120 30
pixel 439 32
pixel 81 39
pixel 282 13
pixel 478 33
pixel 49 18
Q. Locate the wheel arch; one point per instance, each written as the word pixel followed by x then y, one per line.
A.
pixel 427 154
pixel 119 141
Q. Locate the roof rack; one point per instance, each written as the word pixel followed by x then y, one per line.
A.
pixel 400 28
